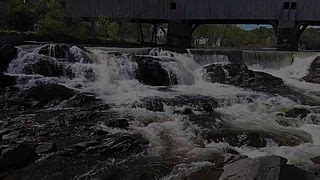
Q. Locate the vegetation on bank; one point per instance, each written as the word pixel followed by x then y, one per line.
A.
pixel 234 36
pixel 46 20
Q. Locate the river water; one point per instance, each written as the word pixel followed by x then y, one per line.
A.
pixel 111 77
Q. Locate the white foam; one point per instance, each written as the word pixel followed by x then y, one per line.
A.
pixel 174 134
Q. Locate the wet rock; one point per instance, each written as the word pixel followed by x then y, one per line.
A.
pixel 7 53
pixel 196 102
pixel 216 74
pixel 251 139
pixel 210 125
pixel 46 148
pixel 141 167
pixel 239 75
pixel 78 55
pixel 314 72
pixel 87 101
pixel 150 103
pixel 44 94
pixel 6 80
pixel 121 123
pixel 266 167
pixel 60 51
pixel 115 53
pixel 259 138
pixel 187 111
pixel 316 160
pixel 294 173
pixel 42 65
pixel 297 113
pixel 17 157
pixel 116 145
pixel 198 170
pixel 150 72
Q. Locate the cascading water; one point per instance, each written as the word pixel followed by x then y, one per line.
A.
pixel 184 138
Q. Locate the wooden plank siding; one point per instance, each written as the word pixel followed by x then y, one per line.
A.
pixel 223 11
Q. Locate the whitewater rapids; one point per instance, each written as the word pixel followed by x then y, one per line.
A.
pixel 168 133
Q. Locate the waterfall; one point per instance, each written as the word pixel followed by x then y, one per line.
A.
pixel 175 82
pixel 268 59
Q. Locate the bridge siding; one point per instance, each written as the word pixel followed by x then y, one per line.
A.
pixel 193 9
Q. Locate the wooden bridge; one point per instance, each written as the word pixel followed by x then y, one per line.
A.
pixel 289 18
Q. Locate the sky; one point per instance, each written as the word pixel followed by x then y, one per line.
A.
pixel 249 27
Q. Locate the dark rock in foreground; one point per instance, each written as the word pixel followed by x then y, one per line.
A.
pixel 297 113
pixel 266 167
pixel 196 103
pixel 44 94
pixel 314 72
pixel 69 138
pixel 17 157
pixel 239 75
pixel 316 160
pixel 141 167
pixel 7 53
pixel 118 123
pixel 46 148
pixel 6 80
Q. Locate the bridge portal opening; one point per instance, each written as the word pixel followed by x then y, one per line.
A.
pixel 231 35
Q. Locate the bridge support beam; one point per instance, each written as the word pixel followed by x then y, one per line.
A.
pixel 288 38
pixel 179 34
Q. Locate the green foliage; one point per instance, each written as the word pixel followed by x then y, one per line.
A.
pixel 107 29
pixel 20 16
pixel 311 38
pixel 50 26
pixel 265 37
pixel 80 30
pixel 51 18
pixel 234 36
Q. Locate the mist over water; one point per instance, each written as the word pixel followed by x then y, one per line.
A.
pixel 113 78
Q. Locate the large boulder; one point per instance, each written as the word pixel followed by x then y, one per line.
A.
pixel 46 94
pixel 239 75
pixel 17 157
pixel 151 72
pixel 266 167
pixel 60 51
pixel 43 65
pixel 7 53
pixel 77 54
pixel 314 72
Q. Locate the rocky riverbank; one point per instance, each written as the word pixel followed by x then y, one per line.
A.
pixel 61 119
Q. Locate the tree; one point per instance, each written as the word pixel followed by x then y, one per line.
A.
pixel 21 16
pixel 51 18
pixel 311 38
pixel 107 29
